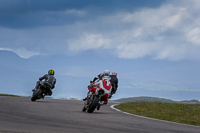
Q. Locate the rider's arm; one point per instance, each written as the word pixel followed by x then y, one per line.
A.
pixel 43 77
pixel 97 77
pixel 54 84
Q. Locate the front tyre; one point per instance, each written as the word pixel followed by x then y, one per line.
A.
pixel 36 95
pixel 93 105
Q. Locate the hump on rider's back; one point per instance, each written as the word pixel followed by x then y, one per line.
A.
pixel 106 78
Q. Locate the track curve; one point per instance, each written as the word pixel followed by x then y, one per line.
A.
pixel 19 114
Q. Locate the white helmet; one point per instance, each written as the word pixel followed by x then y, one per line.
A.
pixel 106 72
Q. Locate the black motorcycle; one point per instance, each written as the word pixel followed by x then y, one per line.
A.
pixel 41 91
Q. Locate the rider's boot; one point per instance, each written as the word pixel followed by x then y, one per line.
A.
pixel 99 105
pixel 43 95
pixel 110 96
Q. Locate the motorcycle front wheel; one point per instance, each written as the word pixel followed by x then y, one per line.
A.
pixel 36 94
pixel 93 105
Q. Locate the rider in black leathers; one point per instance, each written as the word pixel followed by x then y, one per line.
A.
pixel 114 83
pixel 49 80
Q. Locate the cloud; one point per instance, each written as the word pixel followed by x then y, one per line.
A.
pixel 22 52
pixel 89 41
pixel 170 31
pixel 167 32
pixel 135 50
pixel 76 12
pixel 194 36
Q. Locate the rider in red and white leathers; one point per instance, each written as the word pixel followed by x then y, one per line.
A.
pixel 106 86
pixel 104 83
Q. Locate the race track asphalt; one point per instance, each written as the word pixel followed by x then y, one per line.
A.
pixel 20 115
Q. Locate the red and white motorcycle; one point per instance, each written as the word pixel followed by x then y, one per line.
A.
pixel 99 93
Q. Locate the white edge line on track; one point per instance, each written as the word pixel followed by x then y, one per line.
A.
pixel 113 107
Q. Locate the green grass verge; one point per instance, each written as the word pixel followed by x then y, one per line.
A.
pixel 9 95
pixel 175 112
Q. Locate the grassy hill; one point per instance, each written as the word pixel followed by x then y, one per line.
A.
pixel 175 112
pixel 144 99
pixel 186 112
pixel 154 99
pixel 9 95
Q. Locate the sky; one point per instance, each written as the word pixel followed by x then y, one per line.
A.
pixel 157 30
pixel 160 29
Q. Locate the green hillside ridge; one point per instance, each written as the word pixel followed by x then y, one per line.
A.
pixel 154 99
pixel 9 95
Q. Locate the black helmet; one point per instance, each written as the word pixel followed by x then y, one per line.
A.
pixel 114 73
pixel 51 72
